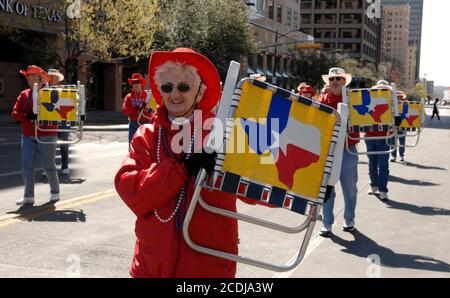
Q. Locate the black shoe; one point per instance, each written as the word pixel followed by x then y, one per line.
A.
pixel 348 229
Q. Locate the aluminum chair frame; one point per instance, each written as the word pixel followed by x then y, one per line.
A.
pixel 81 116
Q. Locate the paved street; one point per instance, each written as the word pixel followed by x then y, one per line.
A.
pixel 91 226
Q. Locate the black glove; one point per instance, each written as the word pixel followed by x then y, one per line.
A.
pixel 398 120
pixel 31 116
pixel 199 161
pixel 328 193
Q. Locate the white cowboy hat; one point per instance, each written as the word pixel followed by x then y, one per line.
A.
pixel 259 77
pixel 56 73
pixel 401 95
pixel 382 84
pixel 337 72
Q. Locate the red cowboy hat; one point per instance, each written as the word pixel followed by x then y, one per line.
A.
pixel 137 78
pixel 206 70
pixel 308 89
pixel 33 69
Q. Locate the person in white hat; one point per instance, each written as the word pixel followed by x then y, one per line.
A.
pixel 337 78
pixel 379 163
pixel 55 79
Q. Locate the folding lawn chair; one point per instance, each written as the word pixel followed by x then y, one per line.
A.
pixel 372 110
pixel 58 106
pixel 292 169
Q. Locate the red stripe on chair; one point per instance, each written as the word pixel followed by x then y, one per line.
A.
pixel 242 189
pixel 219 180
pixel 265 195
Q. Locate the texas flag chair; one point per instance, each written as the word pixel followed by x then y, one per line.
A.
pixel 277 148
pixel 412 115
pixel 372 110
pixel 150 107
pixel 62 107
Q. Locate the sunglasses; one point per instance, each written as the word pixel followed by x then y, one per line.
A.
pixel 182 87
pixel 335 78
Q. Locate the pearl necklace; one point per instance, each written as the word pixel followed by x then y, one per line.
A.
pixel 183 190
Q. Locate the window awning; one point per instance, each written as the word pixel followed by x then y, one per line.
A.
pixel 250 70
pixel 285 75
pixel 277 74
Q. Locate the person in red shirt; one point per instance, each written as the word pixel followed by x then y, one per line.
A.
pixel 337 79
pixel 30 147
pixel 156 179
pixel 134 102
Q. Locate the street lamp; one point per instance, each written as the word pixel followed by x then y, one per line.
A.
pixel 274 79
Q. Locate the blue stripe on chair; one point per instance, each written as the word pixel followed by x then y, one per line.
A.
pixel 277 196
pixel 260 84
pixel 299 205
pixel 254 191
pixel 325 108
pixel 231 182
pixel 282 93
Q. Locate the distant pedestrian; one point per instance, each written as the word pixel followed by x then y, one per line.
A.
pixel 134 102
pixel 435 110
pixel 30 147
pixel 55 79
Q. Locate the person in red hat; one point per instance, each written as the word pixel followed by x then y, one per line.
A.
pixel 307 91
pixel 156 182
pixel 134 102
pixel 30 147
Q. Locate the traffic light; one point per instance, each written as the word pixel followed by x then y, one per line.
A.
pixel 308 46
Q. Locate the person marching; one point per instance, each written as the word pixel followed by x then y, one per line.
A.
pixel 401 96
pixel 30 147
pixel 157 183
pixel 378 163
pixel 307 91
pixel 55 79
pixel 134 102
pixel 337 79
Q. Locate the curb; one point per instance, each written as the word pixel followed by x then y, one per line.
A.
pixel 120 127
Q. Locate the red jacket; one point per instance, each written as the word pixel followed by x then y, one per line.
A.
pixel 133 112
pixel 144 186
pixel 332 100
pixel 24 104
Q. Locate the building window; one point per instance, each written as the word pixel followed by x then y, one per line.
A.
pixel 279 13
pixel 306 4
pixel 270 8
pixel 295 19
pixel 289 16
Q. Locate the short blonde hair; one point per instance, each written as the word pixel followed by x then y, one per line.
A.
pixel 177 66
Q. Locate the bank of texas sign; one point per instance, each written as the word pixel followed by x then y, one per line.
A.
pixel 29 10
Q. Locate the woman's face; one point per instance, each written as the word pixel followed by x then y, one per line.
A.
pixel 32 79
pixel 137 87
pixel 179 92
